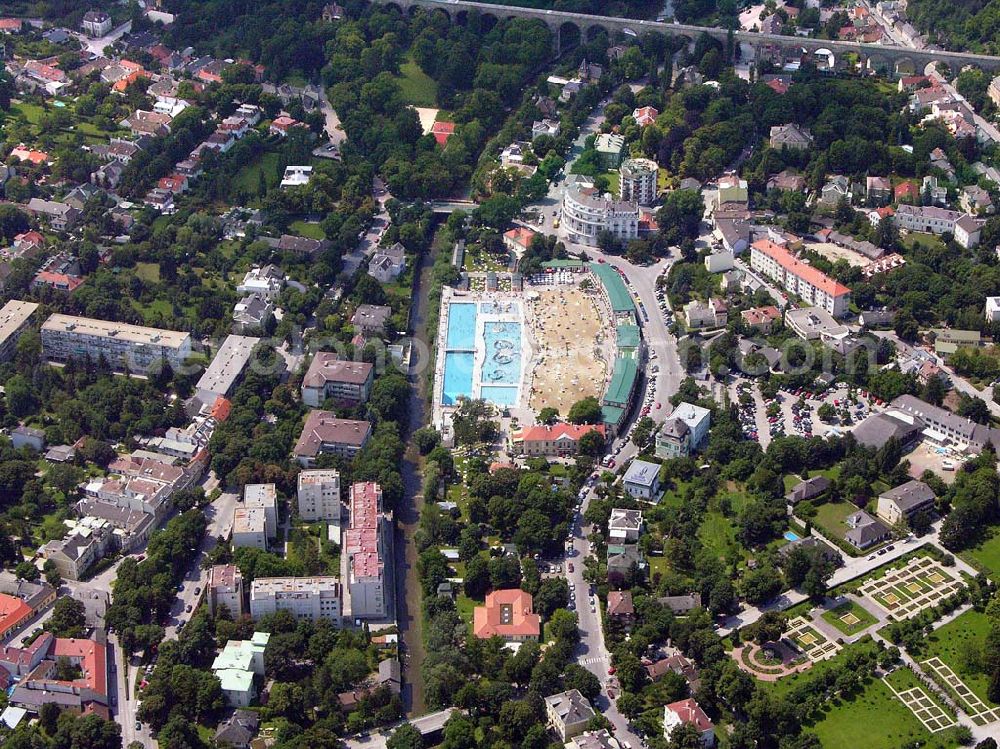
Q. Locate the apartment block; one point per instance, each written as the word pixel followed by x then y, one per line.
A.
pixel 329 376
pixel 133 347
pixel 319 495
pixel 263 497
pixel 15 317
pixel 311 598
pixel 366 554
pixel 225 588
pixel 249 528
pixel 325 434
pixel 812 285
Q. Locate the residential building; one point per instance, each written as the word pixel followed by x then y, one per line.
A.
pixel 87 542
pixel 865 531
pixel 37 665
pixel 837 188
pixel 901 503
pixel 371 319
pixel 342 380
pixel 933 192
pixel 252 314
pixel 673 440
pixel 976 201
pixel 992 308
pixel 14 615
pixel 225 588
pixel 508 614
pixel 790 136
pixel 37 596
pixel 518 240
pixel 319 496
pixel 638 180
pixel 325 434
pixel 558 440
pixel 732 191
pixel 933 220
pixel 808 489
pixel 238 730
pixel 674 662
pixel 621 607
pixel 296 176
pixel 645 116
pixel 586 213
pixel 811 323
pixel 30 437
pixel 625 525
pixel 878 190
pixel 263 497
pixel 282 125
pixel 311 598
pixel 625 562
pixel 787 180
pixel 96 23
pixel 594 740
pixel 545 127
pixel 812 285
pixel 688 712
pixel 642 480
pixel 267 281
pixel 366 556
pixel 60 216
pixel 237 666
pixel 761 319
pixel 696 419
pixel 711 314
pixel 609 147
pixel 132 347
pixel 681 605
pixel 15 317
pixel 249 528
pixel 154 124
pixel 300 245
pixel 568 713
pixel 227 368
pixel 388 263
pixel 948 340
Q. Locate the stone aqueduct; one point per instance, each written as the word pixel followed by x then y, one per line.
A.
pixel 876 56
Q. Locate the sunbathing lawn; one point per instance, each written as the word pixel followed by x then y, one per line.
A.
pixel 418 88
pixel 946 643
pixel 987 553
pixel 874 719
pixel 305 229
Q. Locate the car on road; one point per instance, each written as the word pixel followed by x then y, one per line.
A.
pixel 138 726
pixel 569 567
pixel 611 671
pixel 188 608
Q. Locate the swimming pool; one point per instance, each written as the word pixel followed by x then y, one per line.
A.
pixel 461 327
pixel 499 395
pixel 502 364
pixel 791 536
pixel 457 376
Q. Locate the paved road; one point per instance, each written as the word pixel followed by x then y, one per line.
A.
pixel 332 121
pixel 96 46
pixel 126 705
pixel 369 241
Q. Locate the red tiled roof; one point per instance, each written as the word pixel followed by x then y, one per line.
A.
pixel 799 269
pixel 560 431
pixel 92 659
pixel 906 189
pixel 10 24
pixel 689 711
pixel 221 409
pixel 506 613
pixel 521 235
pixel 620 603
pixel 13 613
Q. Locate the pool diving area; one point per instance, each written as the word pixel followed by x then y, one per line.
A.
pixel 484 353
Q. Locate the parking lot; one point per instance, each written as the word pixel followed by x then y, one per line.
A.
pixel 797 411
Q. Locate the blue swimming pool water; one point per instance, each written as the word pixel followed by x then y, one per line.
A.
pixel 502 365
pixel 462 327
pixel 791 536
pixel 457 376
pixel 499 395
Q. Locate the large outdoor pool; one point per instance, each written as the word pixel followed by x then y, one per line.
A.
pixel 457 376
pixel 498 347
pixel 461 327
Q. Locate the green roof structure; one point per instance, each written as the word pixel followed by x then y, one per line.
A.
pixel 559 264
pixel 618 295
pixel 627 338
pixel 622 385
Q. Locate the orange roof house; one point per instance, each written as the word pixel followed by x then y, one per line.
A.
pixel 23 153
pixel 507 614
pixel 123 83
pixel 518 238
pixel 559 439
pixel 442 131
pixel 13 613
pixel 906 190
pixel 221 409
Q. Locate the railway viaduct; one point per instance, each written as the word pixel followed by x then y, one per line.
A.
pixel 584 25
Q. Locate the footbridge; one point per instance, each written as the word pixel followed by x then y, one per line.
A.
pixel 585 25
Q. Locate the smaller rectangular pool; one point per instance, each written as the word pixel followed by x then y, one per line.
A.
pixel 791 536
pixel 499 395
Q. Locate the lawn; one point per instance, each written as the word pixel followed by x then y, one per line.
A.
pixel 718 534
pixel 305 229
pixel 874 719
pixel 614 182
pixel 986 554
pixel 949 643
pixel 418 88
pixel 149 272
pixel 830 517
pixel 248 178
pixel 865 619
pixel 903 678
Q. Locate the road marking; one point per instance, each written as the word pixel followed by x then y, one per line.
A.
pixel 595 659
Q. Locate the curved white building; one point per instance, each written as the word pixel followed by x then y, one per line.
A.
pixel 638 180
pixel 586 213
